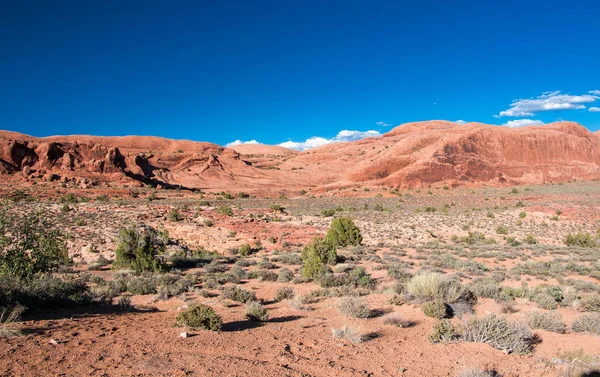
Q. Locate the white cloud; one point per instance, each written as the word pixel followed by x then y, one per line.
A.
pixel 383 124
pixel 523 122
pixel 595 92
pixel 317 141
pixel 548 101
pixel 460 121
pixel 594 109
pixel 238 142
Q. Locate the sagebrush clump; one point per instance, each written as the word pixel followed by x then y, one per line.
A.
pixel 200 317
pixel 500 333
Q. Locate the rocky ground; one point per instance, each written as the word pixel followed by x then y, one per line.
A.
pixel 515 236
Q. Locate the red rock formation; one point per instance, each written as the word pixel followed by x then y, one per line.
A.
pixel 413 154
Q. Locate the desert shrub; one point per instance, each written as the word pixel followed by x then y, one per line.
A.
pixel 500 333
pixel 435 309
pixel 200 317
pixel 545 301
pixel 285 275
pixel 396 300
pixel 215 267
pixel 351 333
pixel 398 272
pixel 30 245
pixel 172 285
pixel 263 275
pixel 551 321
pixel 590 303
pixel 361 278
pixel 238 272
pixel 225 210
pixel 530 240
pixel 289 258
pixel 237 294
pixel 430 286
pixel 342 232
pixel 174 215
pixel 8 319
pixel 587 322
pixel 245 250
pixel 284 293
pixel 255 311
pixel 443 331
pixel 43 291
pixel 502 229
pixel 353 307
pixel 141 285
pixel 316 255
pixel 487 288
pixel 580 239
pixel 139 250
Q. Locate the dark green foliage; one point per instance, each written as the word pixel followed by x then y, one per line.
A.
pixel 316 255
pixel 139 250
pixel 343 232
pixel 43 291
pixel 29 245
pixel 200 317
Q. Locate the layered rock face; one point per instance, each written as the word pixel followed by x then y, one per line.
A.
pixel 410 155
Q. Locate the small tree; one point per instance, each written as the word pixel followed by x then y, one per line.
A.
pixel 29 245
pixel 343 232
pixel 316 256
pixel 138 249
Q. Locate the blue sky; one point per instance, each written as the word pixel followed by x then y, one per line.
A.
pixel 275 71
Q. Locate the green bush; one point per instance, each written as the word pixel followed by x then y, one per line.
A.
pixel 580 239
pixel 43 291
pixel 225 210
pixel 343 232
pixel 30 245
pixel 443 331
pixel 316 255
pixel 434 309
pixel 138 250
pixel 200 317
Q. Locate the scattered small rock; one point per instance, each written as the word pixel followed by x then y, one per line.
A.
pixel 184 335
